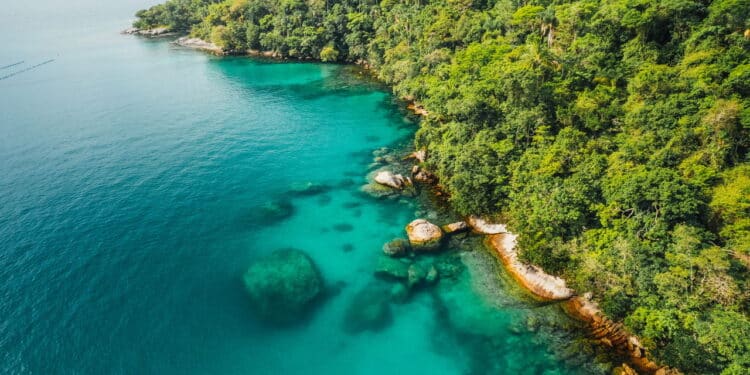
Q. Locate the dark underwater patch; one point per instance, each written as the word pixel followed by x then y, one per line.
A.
pixel 343 227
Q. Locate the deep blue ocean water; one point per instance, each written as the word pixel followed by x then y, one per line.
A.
pixel 133 176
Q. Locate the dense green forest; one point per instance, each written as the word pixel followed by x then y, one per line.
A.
pixel 612 135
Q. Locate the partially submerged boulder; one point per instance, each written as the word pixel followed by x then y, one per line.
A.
pixel 457 227
pixel 423 235
pixel 283 285
pixel 388 178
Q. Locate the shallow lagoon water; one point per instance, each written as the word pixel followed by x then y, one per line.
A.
pixel 135 181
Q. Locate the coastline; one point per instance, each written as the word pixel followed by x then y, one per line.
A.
pixel 601 329
pixel 533 279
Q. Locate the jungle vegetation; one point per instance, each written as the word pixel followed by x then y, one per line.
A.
pixel 612 135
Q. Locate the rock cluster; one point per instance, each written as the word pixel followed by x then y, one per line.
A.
pixel 384 182
pixel 613 335
pixel 406 270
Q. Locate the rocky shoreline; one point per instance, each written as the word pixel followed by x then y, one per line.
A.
pixel 551 288
pixel 531 277
pixel 543 286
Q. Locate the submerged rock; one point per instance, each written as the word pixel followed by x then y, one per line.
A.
pixel 432 275
pixel 305 189
pixel 381 151
pixel 275 211
pixel 369 310
pixel 283 285
pixel 415 275
pixel 399 293
pixel 396 248
pixel 324 200
pixel 378 191
pixel 423 235
pixel 392 269
pixel 343 227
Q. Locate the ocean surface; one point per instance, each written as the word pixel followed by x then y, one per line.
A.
pixel 135 184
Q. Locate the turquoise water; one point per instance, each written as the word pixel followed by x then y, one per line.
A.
pixel 133 180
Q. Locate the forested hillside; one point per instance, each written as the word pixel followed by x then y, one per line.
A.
pixel 612 135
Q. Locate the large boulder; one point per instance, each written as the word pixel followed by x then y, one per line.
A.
pixel 423 235
pixel 283 286
pixel 388 178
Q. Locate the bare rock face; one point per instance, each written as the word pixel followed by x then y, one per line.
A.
pixel 389 179
pixel 198 44
pixel 481 226
pixel 423 235
pixel 456 227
